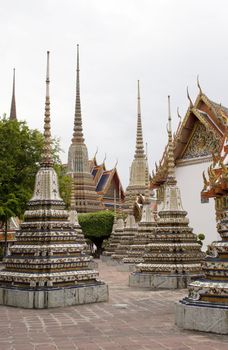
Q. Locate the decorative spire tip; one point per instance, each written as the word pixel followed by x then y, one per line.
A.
pixel 198 84
pixel 189 98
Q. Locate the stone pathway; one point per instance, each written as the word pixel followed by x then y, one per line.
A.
pixel 131 320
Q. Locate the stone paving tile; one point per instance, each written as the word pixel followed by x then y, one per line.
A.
pixel 131 320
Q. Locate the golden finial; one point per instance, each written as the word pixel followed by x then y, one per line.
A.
pixel 198 84
pixel 156 167
pixel 212 175
pixel 95 154
pixel 178 114
pixel 188 96
pixel 116 164
pixel 206 183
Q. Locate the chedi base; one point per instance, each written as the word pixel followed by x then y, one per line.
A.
pixel 203 317
pixel 53 297
pixel 158 281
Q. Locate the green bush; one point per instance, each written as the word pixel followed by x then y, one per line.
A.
pixel 97 227
pixel 200 238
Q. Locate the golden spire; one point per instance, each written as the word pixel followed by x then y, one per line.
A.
pixel 171 164
pixel 178 114
pixel 189 98
pixel 78 132
pixel 139 151
pixel 198 84
pixel 13 113
pixel 115 164
pixel 47 157
pixel 104 159
pixel 95 154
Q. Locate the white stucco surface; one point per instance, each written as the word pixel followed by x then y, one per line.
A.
pixel 201 215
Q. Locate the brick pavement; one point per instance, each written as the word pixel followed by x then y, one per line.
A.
pixel 131 320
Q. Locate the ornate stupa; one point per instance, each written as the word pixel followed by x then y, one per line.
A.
pixel 117 231
pixel 114 242
pixel 206 306
pixel 47 266
pixel 174 256
pixel 13 110
pixel 145 233
pixel 107 249
pixel 137 184
pixel 126 238
pixel 86 197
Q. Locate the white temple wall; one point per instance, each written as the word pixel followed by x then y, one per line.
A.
pixel 201 215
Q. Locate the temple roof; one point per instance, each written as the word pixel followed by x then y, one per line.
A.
pixel 103 178
pixel 201 132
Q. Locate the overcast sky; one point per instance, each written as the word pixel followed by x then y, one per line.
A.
pixel 164 43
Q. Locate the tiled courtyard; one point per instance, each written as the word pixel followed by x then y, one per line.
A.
pixel 131 320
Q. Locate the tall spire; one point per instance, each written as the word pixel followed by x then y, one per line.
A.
pixel 78 132
pixel 139 150
pixel 171 164
pixel 47 157
pixel 13 112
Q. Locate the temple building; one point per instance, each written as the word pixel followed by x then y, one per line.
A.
pixel 108 184
pixel 206 307
pixel 200 134
pixel 173 257
pixel 114 239
pixel 86 197
pixel 47 266
pixel 139 164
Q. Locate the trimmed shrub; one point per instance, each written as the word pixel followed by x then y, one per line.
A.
pixel 97 227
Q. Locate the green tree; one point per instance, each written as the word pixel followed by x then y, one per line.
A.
pixel 200 238
pixel 97 227
pixel 65 183
pixel 20 156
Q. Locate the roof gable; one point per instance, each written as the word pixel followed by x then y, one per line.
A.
pixel 201 133
pixel 204 112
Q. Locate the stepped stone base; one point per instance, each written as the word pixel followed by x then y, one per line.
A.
pixel 203 318
pixel 147 280
pixel 93 265
pixel 55 297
